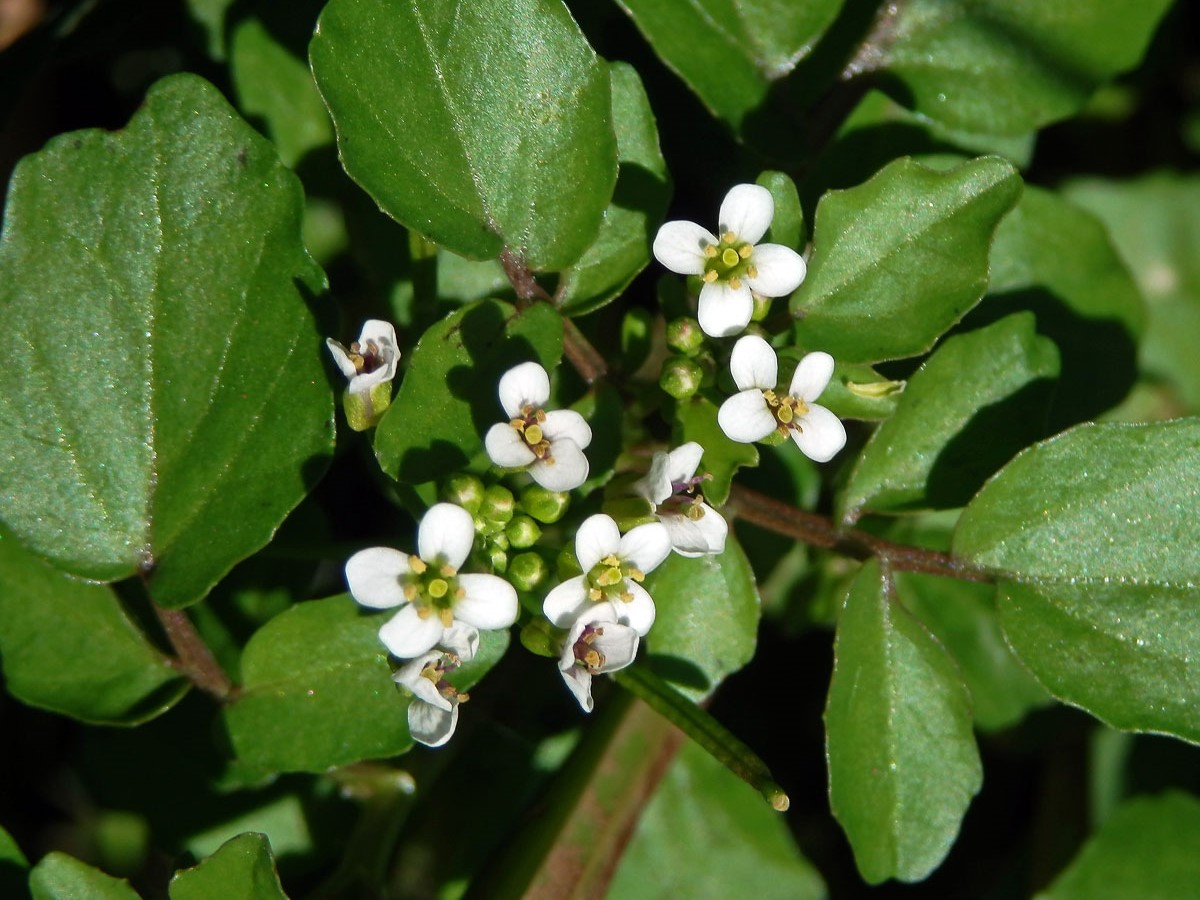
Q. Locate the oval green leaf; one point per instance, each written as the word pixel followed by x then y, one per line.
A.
pixel 696 420
pixel 243 868
pixel 903 765
pixel 898 260
pixel 980 398
pixel 172 405
pixel 61 877
pixel 483 125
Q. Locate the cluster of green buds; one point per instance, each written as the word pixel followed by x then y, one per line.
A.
pixel 690 366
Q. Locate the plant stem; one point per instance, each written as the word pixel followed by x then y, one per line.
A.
pixel 192 656
pixel 782 518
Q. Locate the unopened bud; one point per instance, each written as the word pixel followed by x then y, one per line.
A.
pixel 364 411
pixel 498 504
pixel 540 637
pixel 465 491
pixel 684 335
pixel 681 377
pixel 497 557
pixel 527 571
pixel 522 532
pixel 545 506
pixel 762 306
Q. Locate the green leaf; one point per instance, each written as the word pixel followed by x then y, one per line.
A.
pixel 898 260
pixel 68 646
pixel 1150 847
pixel 172 404
pixel 857 391
pixel 707 621
pixel 242 869
pixel 484 126
pixel 730 53
pixel 13 868
pixel 975 402
pixel 903 766
pixel 317 690
pixel 1055 259
pixel 787 225
pixel 962 615
pixel 703 820
pixel 61 877
pixel 1154 222
pixel 448 399
pixel 696 420
pixel 1009 66
pixel 1097 533
pixel 622 248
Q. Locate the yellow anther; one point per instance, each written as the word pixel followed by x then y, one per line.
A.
pixel 410 592
pixel 745 250
pixel 637 575
pixel 424 612
pixel 609 577
pixel 438 588
pixel 447 618
pixel 735 283
pixel 447 571
pixel 463 698
pixel 729 237
pixel 417 565
pixel 595 595
pixel 710 251
pixel 626 597
pixel 710 276
pixel 751 271
pixel 431 672
pixel 593 659
pixel 730 257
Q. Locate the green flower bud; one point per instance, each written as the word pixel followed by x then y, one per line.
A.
pixel 522 532
pixel 364 411
pixel 545 506
pixel 465 491
pixel 762 306
pixel 497 557
pixel 527 571
pixel 680 377
pixel 498 504
pixel 541 638
pixel 629 512
pixel 685 336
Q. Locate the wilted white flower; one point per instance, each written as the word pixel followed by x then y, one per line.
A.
pixel 696 529
pixel 613 569
pixel 370 365
pixel 758 409
pixel 434 600
pixel 596 644
pixel 734 266
pixel 549 444
pixel 433 712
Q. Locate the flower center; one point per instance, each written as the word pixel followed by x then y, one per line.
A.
pixel 728 261
pixel 366 357
pixel 686 498
pixel 435 669
pixel 585 654
pixel 607 579
pixel 787 410
pixel 529 426
pixel 432 589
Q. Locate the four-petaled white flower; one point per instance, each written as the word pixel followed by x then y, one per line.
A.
pixel 696 529
pixel 597 643
pixel 433 598
pixel 549 444
pixel 370 365
pixel 758 409
pixel 733 265
pixel 433 712
pixel 613 568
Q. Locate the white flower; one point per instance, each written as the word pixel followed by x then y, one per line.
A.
pixel 433 712
pixel 434 600
pixel 613 568
pixel 758 410
pixel 696 529
pixel 596 644
pixel 734 265
pixel 370 365
pixel 549 444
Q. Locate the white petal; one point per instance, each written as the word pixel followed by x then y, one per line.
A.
pixel 566 423
pixel 383 335
pixel 821 434
pixel 779 270
pixel 747 211
pixel 373 576
pixel 723 311
pixel 488 602
pixel 596 538
pixel 409 675
pixel 655 485
pixel 429 725
pixel 446 535
pixel 753 364
pixel 461 639
pixel 565 469
pixel 564 604
pixel 679 246
pixel 745 417
pixel 341 356
pixel 407 635
pixel 506 447
pixel 637 613
pixel 697 537
pixel 362 384
pixel 523 385
pixel 683 461
pixel 812 376
pixel 579 680
pixel 646 546
pixel 618 644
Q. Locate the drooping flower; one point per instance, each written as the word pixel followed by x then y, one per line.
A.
pixel 370 365
pixel 613 569
pixel 434 600
pixel 695 528
pixel 758 409
pixel 549 444
pixel 433 712
pixel 733 265
pixel 596 644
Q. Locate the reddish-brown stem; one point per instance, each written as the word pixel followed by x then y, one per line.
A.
pixel 782 518
pixel 192 656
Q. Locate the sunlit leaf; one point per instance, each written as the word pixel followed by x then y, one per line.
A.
pixel 242 868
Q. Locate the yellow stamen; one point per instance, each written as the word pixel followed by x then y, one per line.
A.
pixel 710 276
pixel 729 237
pixel 751 271
pixel 447 618
pixel 735 283
pixel 710 251
pixel 745 250
pixel 417 565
